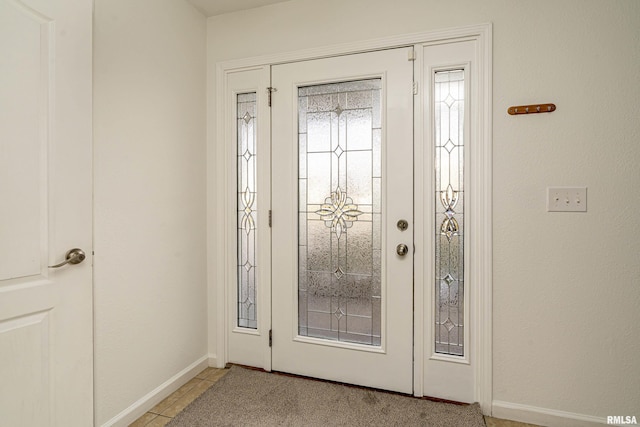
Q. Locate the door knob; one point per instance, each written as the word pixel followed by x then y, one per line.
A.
pixel 402 249
pixel 73 256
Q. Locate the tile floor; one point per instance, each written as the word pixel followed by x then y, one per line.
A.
pixel 496 422
pixel 163 412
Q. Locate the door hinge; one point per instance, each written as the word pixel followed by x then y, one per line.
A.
pixel 412 54
pixel 415 88
pixel 270 337
pixel 270 90
pixel 269 217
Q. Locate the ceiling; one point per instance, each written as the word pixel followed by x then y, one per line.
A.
pixel 218 7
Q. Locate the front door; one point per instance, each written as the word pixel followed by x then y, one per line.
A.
pixel 342 236
pixel 46 320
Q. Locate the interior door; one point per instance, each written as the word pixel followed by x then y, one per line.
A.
pixel 342 201
pixel 46 319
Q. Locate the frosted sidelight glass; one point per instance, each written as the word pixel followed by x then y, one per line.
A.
pixel 247 205
pixel 340 164
pixel 449 216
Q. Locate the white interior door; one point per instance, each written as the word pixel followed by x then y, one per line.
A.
pixel 46 323
pixel 342 179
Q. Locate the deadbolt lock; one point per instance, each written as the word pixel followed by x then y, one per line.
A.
pixel 403 225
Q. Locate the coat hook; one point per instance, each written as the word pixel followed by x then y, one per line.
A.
pixel 531 109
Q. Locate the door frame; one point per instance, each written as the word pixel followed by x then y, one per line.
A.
pixel 221 241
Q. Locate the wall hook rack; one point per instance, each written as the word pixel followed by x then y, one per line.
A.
pixel 531 109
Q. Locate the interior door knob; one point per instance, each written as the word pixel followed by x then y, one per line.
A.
pixel 402 249
pixel 73 256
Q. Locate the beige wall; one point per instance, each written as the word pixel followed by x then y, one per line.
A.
pixel 150 250
pixel 566 285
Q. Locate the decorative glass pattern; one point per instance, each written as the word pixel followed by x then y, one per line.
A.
pixel 247 214
pixel 449 216
pixel 340 225
pixel 338 212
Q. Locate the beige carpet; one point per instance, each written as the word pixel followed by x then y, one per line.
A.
pixel 245 397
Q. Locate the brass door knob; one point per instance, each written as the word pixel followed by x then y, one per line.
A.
pixel 402 249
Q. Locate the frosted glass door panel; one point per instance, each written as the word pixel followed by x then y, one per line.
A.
pixel 339 136
pixel 247 210
pixel 449 215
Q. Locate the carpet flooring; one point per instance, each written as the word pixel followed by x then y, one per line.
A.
pixel 245 397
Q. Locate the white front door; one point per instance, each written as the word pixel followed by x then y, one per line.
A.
pixel 46 321
pixel 342 183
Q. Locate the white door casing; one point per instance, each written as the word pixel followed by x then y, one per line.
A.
pixel 389 364
pixel 473 373
pixel 46 320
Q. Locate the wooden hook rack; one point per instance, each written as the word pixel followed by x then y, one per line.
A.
pixel 531 109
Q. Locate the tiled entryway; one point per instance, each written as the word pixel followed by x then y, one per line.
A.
pixel 164 411
pixel 496 422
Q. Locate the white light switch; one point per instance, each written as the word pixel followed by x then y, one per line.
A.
pixel 567 199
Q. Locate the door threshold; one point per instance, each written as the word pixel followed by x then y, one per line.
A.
pixel 286 374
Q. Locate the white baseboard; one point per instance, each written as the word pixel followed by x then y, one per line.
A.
pixel 148 401
pixel 213 361
pixel 543 416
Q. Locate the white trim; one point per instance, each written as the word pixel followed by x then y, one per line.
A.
pixel 220 237
pixel 480 30
pixel 463 360
pixel 482 246
pixel 213 360
pixel 483 322
pixel 155 396
pixel 339 344
pixel 419 209
pixel 246 331
pixel 543 416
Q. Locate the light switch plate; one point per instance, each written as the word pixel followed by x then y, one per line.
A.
pixel 566 199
